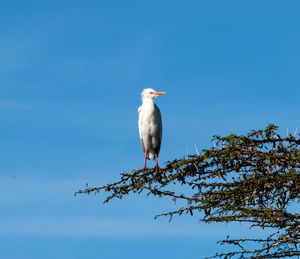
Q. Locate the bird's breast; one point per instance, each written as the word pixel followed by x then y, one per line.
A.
pixel 148 115
pixel 149 119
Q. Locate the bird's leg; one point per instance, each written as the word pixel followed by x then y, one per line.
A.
pixel 146 153
pixel 156 164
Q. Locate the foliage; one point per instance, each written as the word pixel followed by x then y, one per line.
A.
pixel 253 178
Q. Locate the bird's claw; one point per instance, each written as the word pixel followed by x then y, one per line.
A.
pixel 158 168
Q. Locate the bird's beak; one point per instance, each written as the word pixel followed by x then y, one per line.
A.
pixel 159 93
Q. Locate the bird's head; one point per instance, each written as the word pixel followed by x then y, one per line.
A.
pixel 150 93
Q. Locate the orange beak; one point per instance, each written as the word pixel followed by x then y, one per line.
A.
pixel 158 93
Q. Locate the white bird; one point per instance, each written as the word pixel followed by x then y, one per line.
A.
pixel 150 126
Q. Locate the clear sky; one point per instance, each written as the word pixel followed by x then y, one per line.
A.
pixel 71 73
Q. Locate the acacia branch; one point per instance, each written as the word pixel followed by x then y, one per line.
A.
pixel 253 178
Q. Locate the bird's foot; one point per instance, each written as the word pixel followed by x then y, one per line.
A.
pixel 144 169
pixel 158 168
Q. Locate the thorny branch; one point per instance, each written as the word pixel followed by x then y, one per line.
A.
pixel 253 178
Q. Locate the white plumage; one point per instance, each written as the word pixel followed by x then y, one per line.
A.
pixel 150 125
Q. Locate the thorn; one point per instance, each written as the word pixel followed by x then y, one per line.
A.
pixel 287 135
pixel 296 131
pixel 196 149
pixel 167 176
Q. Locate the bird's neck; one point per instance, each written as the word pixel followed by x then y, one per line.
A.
pixel 148 101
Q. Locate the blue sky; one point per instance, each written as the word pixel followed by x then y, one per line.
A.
pixel 71 73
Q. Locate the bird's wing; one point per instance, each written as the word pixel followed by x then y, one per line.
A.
pixel 140 127
pixel 158 132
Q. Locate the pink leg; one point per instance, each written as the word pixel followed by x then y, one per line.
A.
pixel 146 153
